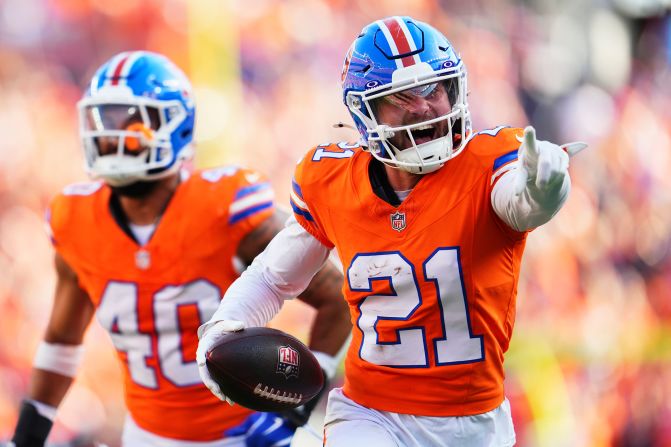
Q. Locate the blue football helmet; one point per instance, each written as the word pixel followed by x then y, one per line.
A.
pixel 395 60
pixel 136 119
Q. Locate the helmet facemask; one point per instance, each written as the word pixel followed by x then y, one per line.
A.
pixel 428 141
pixel 128 138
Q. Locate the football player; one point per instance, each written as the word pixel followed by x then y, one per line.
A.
pixel 149 249
pixel 430 221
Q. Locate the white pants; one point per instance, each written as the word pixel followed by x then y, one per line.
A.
pixel 349 424
pixel 134 436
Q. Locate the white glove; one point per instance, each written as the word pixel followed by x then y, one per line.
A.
pixel 542 162
pixel 208 339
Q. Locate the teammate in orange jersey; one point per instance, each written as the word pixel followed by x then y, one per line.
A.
pixel 429 221
pixel 150 249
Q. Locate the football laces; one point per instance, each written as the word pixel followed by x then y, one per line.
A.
pixel 277 395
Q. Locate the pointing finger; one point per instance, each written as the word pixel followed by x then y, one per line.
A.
pixel 530 146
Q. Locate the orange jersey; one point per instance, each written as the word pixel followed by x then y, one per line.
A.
pixel 153 298
pixel 431 284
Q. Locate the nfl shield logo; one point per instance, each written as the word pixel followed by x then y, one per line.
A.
pixel 142 259
pixel 398 221
pixel 288 361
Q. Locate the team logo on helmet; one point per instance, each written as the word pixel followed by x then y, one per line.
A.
pixel 288 361
pixel 398 221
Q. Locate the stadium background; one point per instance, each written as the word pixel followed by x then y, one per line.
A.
pixel 589 361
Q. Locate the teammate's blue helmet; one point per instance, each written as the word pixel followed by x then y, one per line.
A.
pixel 402 55
pixel 136 119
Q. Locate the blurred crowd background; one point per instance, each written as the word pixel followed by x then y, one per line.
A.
pixel 590 361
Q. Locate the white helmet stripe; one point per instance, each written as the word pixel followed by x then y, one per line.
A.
pixel 400 40
pixel 114 66
pixel 128 65
pixel 390 41
pixel 108 73
pixel 408 36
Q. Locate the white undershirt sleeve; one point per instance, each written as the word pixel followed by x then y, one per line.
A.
pixel 533 207
pixel 282 271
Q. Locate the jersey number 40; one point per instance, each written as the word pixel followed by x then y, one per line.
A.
pixel 118 314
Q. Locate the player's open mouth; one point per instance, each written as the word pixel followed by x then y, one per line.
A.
pixel 423 134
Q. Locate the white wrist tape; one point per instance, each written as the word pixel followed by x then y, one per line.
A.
pixel 59 359
pixel 327 362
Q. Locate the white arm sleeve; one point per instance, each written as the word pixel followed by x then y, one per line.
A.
pixel 533 207
pixel 283 270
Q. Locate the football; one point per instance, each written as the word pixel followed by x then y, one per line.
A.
pixel 265 369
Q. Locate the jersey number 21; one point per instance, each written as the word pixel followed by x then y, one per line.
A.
pixel 410 349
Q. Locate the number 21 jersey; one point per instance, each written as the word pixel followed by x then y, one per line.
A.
pixel 431 284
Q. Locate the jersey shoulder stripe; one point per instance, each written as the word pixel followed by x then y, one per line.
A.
pixel 246 194
pixel 504 164
pixel 297 203
pixel 249 212
pixel 495 148
pixel 249 200
pixel 504 159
